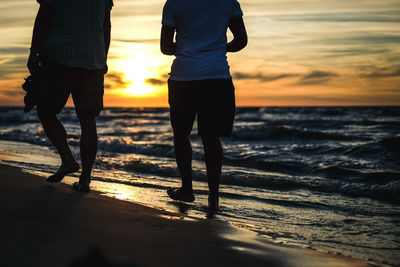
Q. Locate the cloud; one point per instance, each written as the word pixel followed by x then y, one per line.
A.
pixel 136 40
pixel 376 39
pixel 115 80
pixel 4 61
pixel 115 77
pixel 11 64
pixel 370 40
pixel 355 52
pixel 165 75
pixel 262 77
pixel 316 77
pixel 155 81
pixel 372 17
pixel 382 73
pixel 318 74
pixel 12 92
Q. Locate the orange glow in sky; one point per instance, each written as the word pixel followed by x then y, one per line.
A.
pixel 136 66
pixel 302 53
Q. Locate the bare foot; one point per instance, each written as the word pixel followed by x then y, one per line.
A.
pixel 82 185
pixel 213 203
pixel 179 194
pixel 65 169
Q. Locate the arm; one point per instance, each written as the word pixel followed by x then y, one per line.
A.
pixel 236 25
pixel 40 31
pixel 107 37
pixel 107 32
pixel 167 45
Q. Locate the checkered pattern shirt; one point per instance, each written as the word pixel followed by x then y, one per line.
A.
pixel 76 36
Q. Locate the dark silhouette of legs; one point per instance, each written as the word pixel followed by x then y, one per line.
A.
pixel 88 146
pixel 183 154
pixel 212 101
pixel 58 136
pixel 213 157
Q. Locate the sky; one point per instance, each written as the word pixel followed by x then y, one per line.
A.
pixel 300 53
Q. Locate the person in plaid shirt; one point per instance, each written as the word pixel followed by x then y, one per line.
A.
pixel 68 56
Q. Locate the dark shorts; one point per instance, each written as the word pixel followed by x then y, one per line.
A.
pixel 213 101
pixel 58 81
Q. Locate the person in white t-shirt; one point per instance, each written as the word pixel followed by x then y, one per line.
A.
pixel 200 83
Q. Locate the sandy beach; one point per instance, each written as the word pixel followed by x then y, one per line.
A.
pixel 45 224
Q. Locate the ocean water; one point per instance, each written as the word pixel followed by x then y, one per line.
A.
pixel 324 178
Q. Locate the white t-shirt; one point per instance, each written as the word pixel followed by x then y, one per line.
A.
pixel 201 27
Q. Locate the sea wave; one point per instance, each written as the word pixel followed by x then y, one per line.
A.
pixel 127 145
pixel 386 150
pixel 36 137
pixel 389 191
pixel 284 132
pixel 376 185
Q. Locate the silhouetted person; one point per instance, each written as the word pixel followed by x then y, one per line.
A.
pixel 68 56
pixel 200 83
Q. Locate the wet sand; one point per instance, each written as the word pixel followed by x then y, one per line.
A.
pixel 45 224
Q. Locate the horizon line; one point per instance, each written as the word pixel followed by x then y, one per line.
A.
pixel 255 106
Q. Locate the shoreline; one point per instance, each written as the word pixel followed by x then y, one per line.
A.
pixel 51 225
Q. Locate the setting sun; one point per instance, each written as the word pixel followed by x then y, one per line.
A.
pixel 137 69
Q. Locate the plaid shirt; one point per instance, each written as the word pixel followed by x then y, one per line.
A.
pixel 76 36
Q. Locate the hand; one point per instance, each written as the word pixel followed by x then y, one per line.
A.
pixel 33 62
pixel 105 69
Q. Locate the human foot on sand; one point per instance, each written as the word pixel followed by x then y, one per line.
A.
pixel 213 203
pixel 180 194
pixel 82 185
pixel 65 169
pixel 77 186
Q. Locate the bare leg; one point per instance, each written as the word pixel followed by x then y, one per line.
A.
pixel 213 157
pixel 58 136
pixel 183 154
pixel 88 145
